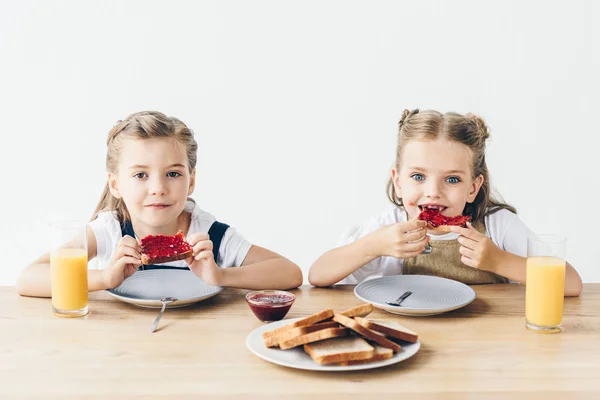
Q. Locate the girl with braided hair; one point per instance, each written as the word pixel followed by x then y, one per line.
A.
pixel 440 167
pixel 151 164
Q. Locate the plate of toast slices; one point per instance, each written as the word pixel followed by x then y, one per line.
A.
pixel 430 295
pixel 328 341
pixel 146 288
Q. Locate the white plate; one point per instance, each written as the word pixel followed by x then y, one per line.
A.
pixel 431 295
pixel 146 288
pixel 297 357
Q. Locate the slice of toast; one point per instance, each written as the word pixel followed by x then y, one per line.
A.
pixel 158 249
pixel 367 333
pixel 441 228
pixel 381 353
pixel 274 341
pixel 313 337
pixel 359 311
pixel 311 319
pixel 339 350
pixel 391 329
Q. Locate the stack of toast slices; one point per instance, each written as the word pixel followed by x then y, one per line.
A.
pixel 347 338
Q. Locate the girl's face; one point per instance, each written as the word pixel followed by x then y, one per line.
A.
pixel 153 180
pixel 436 174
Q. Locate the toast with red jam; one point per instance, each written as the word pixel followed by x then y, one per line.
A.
pixel 435 219
pixel 158 249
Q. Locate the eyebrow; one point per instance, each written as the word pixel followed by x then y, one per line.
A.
pixel 139 166
pixel 454 171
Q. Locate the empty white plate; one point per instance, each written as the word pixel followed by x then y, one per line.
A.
pixel 146 288
pixel 431 295
pixel 297 357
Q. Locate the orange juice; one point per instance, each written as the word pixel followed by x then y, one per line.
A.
pixel 545 291
pixel 69 281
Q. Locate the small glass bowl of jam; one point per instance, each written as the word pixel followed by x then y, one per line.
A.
pixel 270 305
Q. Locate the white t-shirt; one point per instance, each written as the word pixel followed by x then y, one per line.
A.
pixel 503 227
pixel 232 252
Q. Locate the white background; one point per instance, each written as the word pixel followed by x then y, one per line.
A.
pixel 295 108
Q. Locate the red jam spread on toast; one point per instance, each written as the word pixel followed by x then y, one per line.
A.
pixel 162 246
pixel 436 219
pixel 270 306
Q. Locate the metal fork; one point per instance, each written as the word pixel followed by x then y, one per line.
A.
pixel 400 299
pixel 164 301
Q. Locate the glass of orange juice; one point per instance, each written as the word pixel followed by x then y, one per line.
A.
pixel 545 285
pixel 69 269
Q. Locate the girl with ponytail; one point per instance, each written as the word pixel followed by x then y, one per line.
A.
pixel 151 165
pixel 440 165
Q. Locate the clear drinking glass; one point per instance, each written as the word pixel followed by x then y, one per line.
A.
pixel 69 269
pixel 545 286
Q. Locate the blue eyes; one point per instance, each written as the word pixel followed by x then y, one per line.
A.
pixel 450 179
pixel 171 174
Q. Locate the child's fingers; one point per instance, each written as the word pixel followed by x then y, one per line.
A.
pixel 414 247
pixel 124 250
pixel 130 242
pixel 207 254
pixel 468 242
pixel 413 225
pixel 415 236
pixel 197 237
pixel 466 232
pixel 126 260
pixel 468 262
pixel 472 255
pixel 201 246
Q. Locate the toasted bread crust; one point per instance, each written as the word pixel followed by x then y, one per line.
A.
pixel 359 311
pixel 388 331
pixel 381 353
pixel 369 334
pixel 310 320
pixel 313 337
pixel 274 341
pixel 341 357
pixel 442 228
pixel 160 260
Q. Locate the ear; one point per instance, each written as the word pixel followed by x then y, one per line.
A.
pixel 475 186
pixel 192 182
pixel 396 181
pixel 113 185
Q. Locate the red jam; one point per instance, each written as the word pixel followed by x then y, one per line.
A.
pixel 436 219
pixel 270 305
pixel 158 246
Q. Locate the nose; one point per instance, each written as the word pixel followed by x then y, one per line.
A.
pixel 432 189
pixel 157 185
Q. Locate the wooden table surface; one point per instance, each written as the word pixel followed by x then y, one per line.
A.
pixel 481 350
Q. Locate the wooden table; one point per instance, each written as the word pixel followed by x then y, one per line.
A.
pixel 482 349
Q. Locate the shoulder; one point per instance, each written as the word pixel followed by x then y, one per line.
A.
pixel 105 220
pixel 200 220
pixel 507 231
pixel 500 218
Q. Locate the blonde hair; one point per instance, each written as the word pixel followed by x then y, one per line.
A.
pixel 141 125
pixel 468 129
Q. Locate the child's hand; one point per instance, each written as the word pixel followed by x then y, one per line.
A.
pixel 202 263
pixel 124 262
pixel 402 240
pixel 478 250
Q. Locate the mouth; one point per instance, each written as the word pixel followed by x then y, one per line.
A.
pixel 437 207
pixel 158 205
